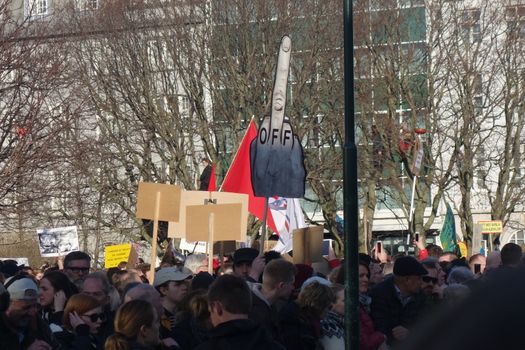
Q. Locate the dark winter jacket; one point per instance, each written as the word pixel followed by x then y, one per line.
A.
pixel 388 311
pixel 242 334
pixel 37 329
pixel 297 329
pixel 262 312
pixel 189 333
pixel 80 340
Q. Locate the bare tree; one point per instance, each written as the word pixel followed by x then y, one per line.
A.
pixel 32 115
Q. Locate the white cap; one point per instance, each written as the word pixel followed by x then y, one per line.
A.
pixel 171 274
pixel 317 279
pixel 22 289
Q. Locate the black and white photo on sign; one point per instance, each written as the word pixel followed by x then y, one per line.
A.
pixel 57 241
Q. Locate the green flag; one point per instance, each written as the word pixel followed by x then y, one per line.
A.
pixel 448 232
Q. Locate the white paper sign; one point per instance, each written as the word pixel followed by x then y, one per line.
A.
pixel 192 247
pixel 57 241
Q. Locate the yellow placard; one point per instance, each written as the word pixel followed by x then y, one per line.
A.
pixel 115 254
pixel 488 227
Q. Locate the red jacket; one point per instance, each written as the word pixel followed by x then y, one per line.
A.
pixel 369 338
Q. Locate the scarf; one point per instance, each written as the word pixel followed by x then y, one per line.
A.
pixel 365 302
pixel 333 325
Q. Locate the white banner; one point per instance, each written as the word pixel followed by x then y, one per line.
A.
pixel 287 216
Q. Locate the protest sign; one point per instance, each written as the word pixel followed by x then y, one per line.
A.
pixel 277 159
pixel 57 241
pixel 307 245
pixel 190 198
pixel 115 254
pixel 226 224
pixel 157 202
pixel 491 227
pixel 168 208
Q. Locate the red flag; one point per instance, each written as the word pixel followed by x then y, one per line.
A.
pixel 212 185
pixel 239 178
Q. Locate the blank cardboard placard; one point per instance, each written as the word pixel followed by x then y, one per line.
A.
pixel 170 198
pixel 307 245
pixel 178 229
pixel 226 225
pixel 234 198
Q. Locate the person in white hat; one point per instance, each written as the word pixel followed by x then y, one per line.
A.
pixel 172 284
pixel 20 325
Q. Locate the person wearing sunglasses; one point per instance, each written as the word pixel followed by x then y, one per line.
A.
pixel 83 317
pixel 430 282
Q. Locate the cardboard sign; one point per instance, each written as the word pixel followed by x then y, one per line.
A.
pixel 170 197
pixel 226 223
pixel 57 241
pixel 491 227
pixel 191 198
pixel 178 229
pixel 308 245
pixel 115 254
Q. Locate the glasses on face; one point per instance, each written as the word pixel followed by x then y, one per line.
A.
pixel 95 317
pixel 78 269
pixel 428 279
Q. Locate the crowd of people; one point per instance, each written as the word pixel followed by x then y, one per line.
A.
pixel 253 302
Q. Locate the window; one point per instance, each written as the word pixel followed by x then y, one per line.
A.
pixel 471 26
pixel 518 237
pixel 184 105
pixel 477 90
pixel 478 105
pixel 36 8
pixel 516 21
pixel 87 5
pixel 481 162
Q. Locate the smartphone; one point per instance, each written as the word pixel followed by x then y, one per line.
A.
pixel 379 247
pixel 417 236
pixel 477 268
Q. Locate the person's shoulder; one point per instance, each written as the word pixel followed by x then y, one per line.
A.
pixel 382 287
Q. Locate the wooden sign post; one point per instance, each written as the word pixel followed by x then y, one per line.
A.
pixel 157 202
pixel 307 245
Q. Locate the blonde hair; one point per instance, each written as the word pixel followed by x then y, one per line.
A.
pixel 79 303
pixel 194 305
pixel 316 298
pixel 130 317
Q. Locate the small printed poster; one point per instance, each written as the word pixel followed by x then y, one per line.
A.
pixel 57 241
